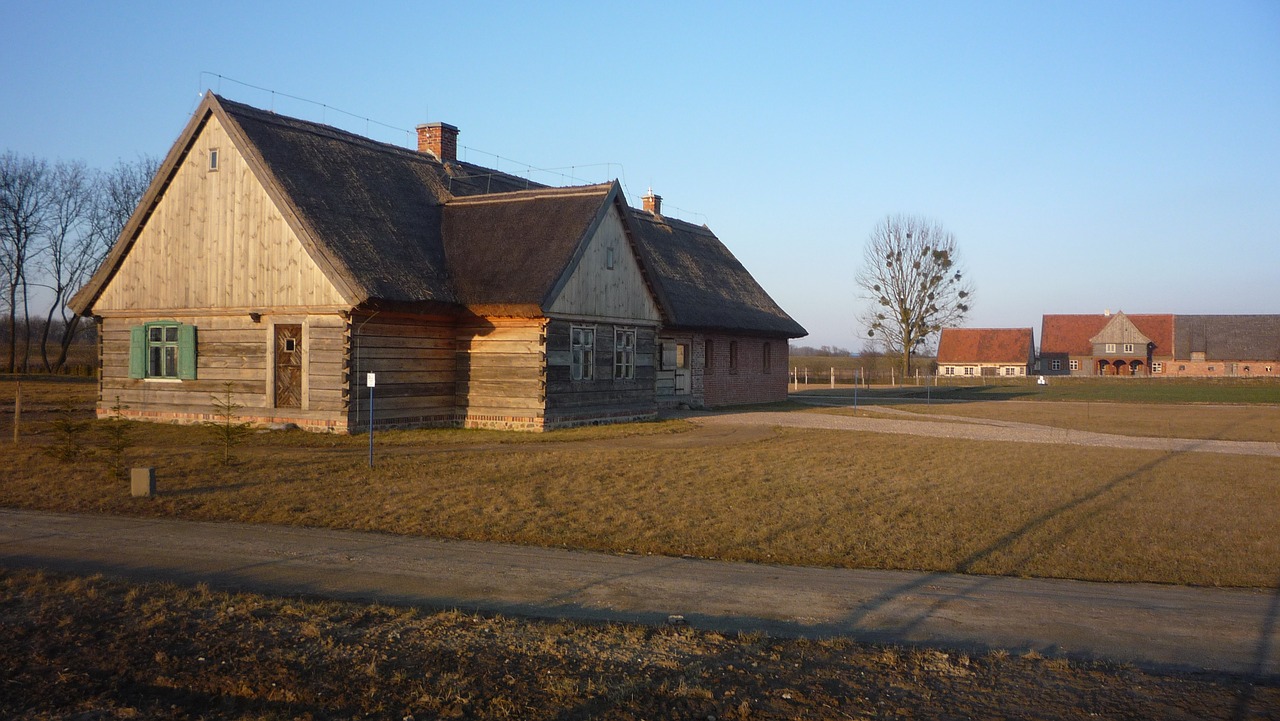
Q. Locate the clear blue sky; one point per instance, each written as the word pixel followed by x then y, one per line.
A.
pixel 1087 155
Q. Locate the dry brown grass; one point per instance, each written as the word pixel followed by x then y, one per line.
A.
pixel 1213 422
pixel 90 648
pixel 801 497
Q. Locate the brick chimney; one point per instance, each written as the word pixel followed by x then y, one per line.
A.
pixel 653 203
pixel 439 139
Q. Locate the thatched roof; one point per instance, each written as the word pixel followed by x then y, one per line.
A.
pixel 700 284
pixel 985 345
pixel 389 225
pixel 510 249
pixel 1227 337
pixel 373 208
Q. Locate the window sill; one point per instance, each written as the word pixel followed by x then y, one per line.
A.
pixel 162 380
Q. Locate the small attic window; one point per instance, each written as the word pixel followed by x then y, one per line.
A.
pixel 608 259
pixel 213 159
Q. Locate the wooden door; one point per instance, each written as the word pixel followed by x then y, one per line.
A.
pixel 682 368
pixel 289 365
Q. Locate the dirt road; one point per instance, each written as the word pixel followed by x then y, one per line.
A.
pixel 978 429
pixel 1231 630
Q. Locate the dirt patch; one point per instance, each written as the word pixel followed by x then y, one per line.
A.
pixel 95 649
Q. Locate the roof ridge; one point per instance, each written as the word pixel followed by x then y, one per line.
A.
pixel 322 129
pixel 646 215
pixel 570 191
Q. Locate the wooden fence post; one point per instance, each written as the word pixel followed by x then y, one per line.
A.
pixel 17 412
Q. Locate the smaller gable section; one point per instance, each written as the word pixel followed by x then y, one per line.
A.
pixel 507 251
pixel 606 281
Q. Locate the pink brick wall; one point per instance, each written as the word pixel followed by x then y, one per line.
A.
pixel 748 381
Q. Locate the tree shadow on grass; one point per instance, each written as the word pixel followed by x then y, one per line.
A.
pixel 999 545
pixel 1263 653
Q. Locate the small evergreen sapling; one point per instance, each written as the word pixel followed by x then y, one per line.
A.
pixel 227 428
pixel 119 434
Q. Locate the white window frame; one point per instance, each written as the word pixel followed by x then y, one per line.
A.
pixel 624 353
pixel 968 370
pixel 1055 365
pixel 1073 364
pixel 1010 371
pixel 1128 347
pixel 949 371
pixel 1157 367
pixel 1110 348
pixel 582 352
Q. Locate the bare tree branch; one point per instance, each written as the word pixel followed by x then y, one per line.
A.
pixel 913 283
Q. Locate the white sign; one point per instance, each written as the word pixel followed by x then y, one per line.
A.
pixel 368 380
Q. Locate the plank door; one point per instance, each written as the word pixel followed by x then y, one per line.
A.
pixel 682 368
pixel 289 365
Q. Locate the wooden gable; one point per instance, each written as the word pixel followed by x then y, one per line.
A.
pixel 215 240
pixel 1120 330
pixel 605 280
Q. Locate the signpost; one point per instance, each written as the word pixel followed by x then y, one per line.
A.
pixel 370 381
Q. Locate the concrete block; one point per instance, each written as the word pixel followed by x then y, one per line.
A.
pixel 143 482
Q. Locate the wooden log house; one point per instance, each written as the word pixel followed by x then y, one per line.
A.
pixel 292 259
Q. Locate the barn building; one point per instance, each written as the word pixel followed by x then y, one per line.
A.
pixel 1160 345
pixel 1004 352
pixel 296 261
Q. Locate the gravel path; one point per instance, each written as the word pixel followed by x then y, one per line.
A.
pixel 980 429
pixel 1219 629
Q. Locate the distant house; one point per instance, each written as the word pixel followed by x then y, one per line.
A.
pixel 1160 345
pixel 1005 352
pixel 299 262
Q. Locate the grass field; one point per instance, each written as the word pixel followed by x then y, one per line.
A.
pixel 1117 390
pixel 78 647
pixel 823 498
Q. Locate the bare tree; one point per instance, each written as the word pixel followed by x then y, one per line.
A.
pixel 114 195
pixel 24 214
pixel 119 192
pixel 67 252
pixel 912 278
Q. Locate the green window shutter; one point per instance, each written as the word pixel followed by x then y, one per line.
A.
pixel 138 351
pixel 187 352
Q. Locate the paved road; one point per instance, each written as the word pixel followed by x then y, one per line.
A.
pixel 1231 630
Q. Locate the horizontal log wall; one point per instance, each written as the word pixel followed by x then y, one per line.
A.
pixel 603 398
pixel 413 359
pixel 502 373
pixel 229 349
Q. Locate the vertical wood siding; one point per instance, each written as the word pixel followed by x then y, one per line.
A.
pixel 596 290
pixel 216 240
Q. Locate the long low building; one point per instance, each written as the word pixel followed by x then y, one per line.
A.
pixel 305 269
pixel 1160 345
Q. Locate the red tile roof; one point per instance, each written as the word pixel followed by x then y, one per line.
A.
pixel 1070 334
pixel 985 345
